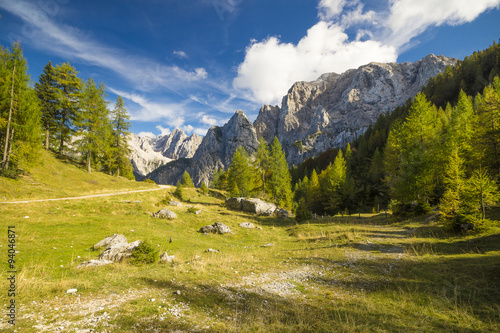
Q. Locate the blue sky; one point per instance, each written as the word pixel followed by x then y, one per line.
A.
pixel 190 64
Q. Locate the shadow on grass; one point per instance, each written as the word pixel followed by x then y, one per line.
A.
pixel 481 244
pixel 414 286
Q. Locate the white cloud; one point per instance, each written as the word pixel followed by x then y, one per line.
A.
pixel 200 131
pixel 330 9
pixel 208 120
pixel 146 134
pixel 153 111
pixel 409 18
pixel 163 130
pixel 358 16
pixel 271 66
pixel 180 54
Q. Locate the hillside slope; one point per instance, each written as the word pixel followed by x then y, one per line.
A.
pixel 53 178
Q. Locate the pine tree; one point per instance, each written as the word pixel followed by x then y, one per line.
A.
pixel 481 192
pixel 19 111
pixel 186 180
pixel 46 93
pixel 204 188
pixel 411 152
pixel 280 181
pixel 68 89
pixel 452 201
pixel 239 175
pixel 262 161
pixel 488 129
pixel 332 181
pixel 313 196
pixel 93 124
pixel 120 148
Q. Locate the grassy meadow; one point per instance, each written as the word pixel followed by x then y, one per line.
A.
pixel 56 178
pixel 368 273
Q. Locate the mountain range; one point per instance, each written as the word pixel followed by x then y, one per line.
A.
pixel 326 113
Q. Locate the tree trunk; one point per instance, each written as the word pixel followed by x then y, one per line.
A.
pixel 118 171
pixel 47 139
pixel 263 182
pixel 61 144
pixel 88 162
pixel 10 149
pixel 483 209
pixel 6 150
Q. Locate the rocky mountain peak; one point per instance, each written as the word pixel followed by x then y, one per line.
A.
pixel 149 153
pixel 335 109
pixel 313 116
pixel 215 152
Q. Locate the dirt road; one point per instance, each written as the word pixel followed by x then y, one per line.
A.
pixel 161 187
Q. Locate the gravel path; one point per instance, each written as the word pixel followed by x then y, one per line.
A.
pixel 161 187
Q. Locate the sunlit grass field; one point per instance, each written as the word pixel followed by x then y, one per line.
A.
pixel 363 273
pixel 55 178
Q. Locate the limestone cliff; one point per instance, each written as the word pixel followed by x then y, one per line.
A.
pixel 335 109
pixel 215 152
pixel 149 153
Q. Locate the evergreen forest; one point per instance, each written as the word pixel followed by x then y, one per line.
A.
pixel 438 151
pixel 62 113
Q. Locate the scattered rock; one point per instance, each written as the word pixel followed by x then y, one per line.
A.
pixel 111 240
pixel 165 214
pixel 94 263
pixel 171 239
pixel 284 214
pixel 174 203
pixel 268 244
pixel 251 205
pixel 212 250
pixel 247 225
pixel 71 291
pixel 118 252
pixel 208 229
pixel 234 203
pixel 198 212
pixel 177 292
pixel 217 227
pixel 258 207
pixel 166 258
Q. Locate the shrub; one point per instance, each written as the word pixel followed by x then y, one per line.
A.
pixel 179 192
pixel 165 200
pixel 204 188
pixel 302 213
pixel 12 173
pixel 192 210
pixel 422 208
pixel 145 253
pixel 149 181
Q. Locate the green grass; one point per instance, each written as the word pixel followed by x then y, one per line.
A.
pixel 55 178
pixel 354 274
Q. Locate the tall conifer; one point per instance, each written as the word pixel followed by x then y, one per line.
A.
pixel 280 180
pixel 68 89
pixel 45 89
